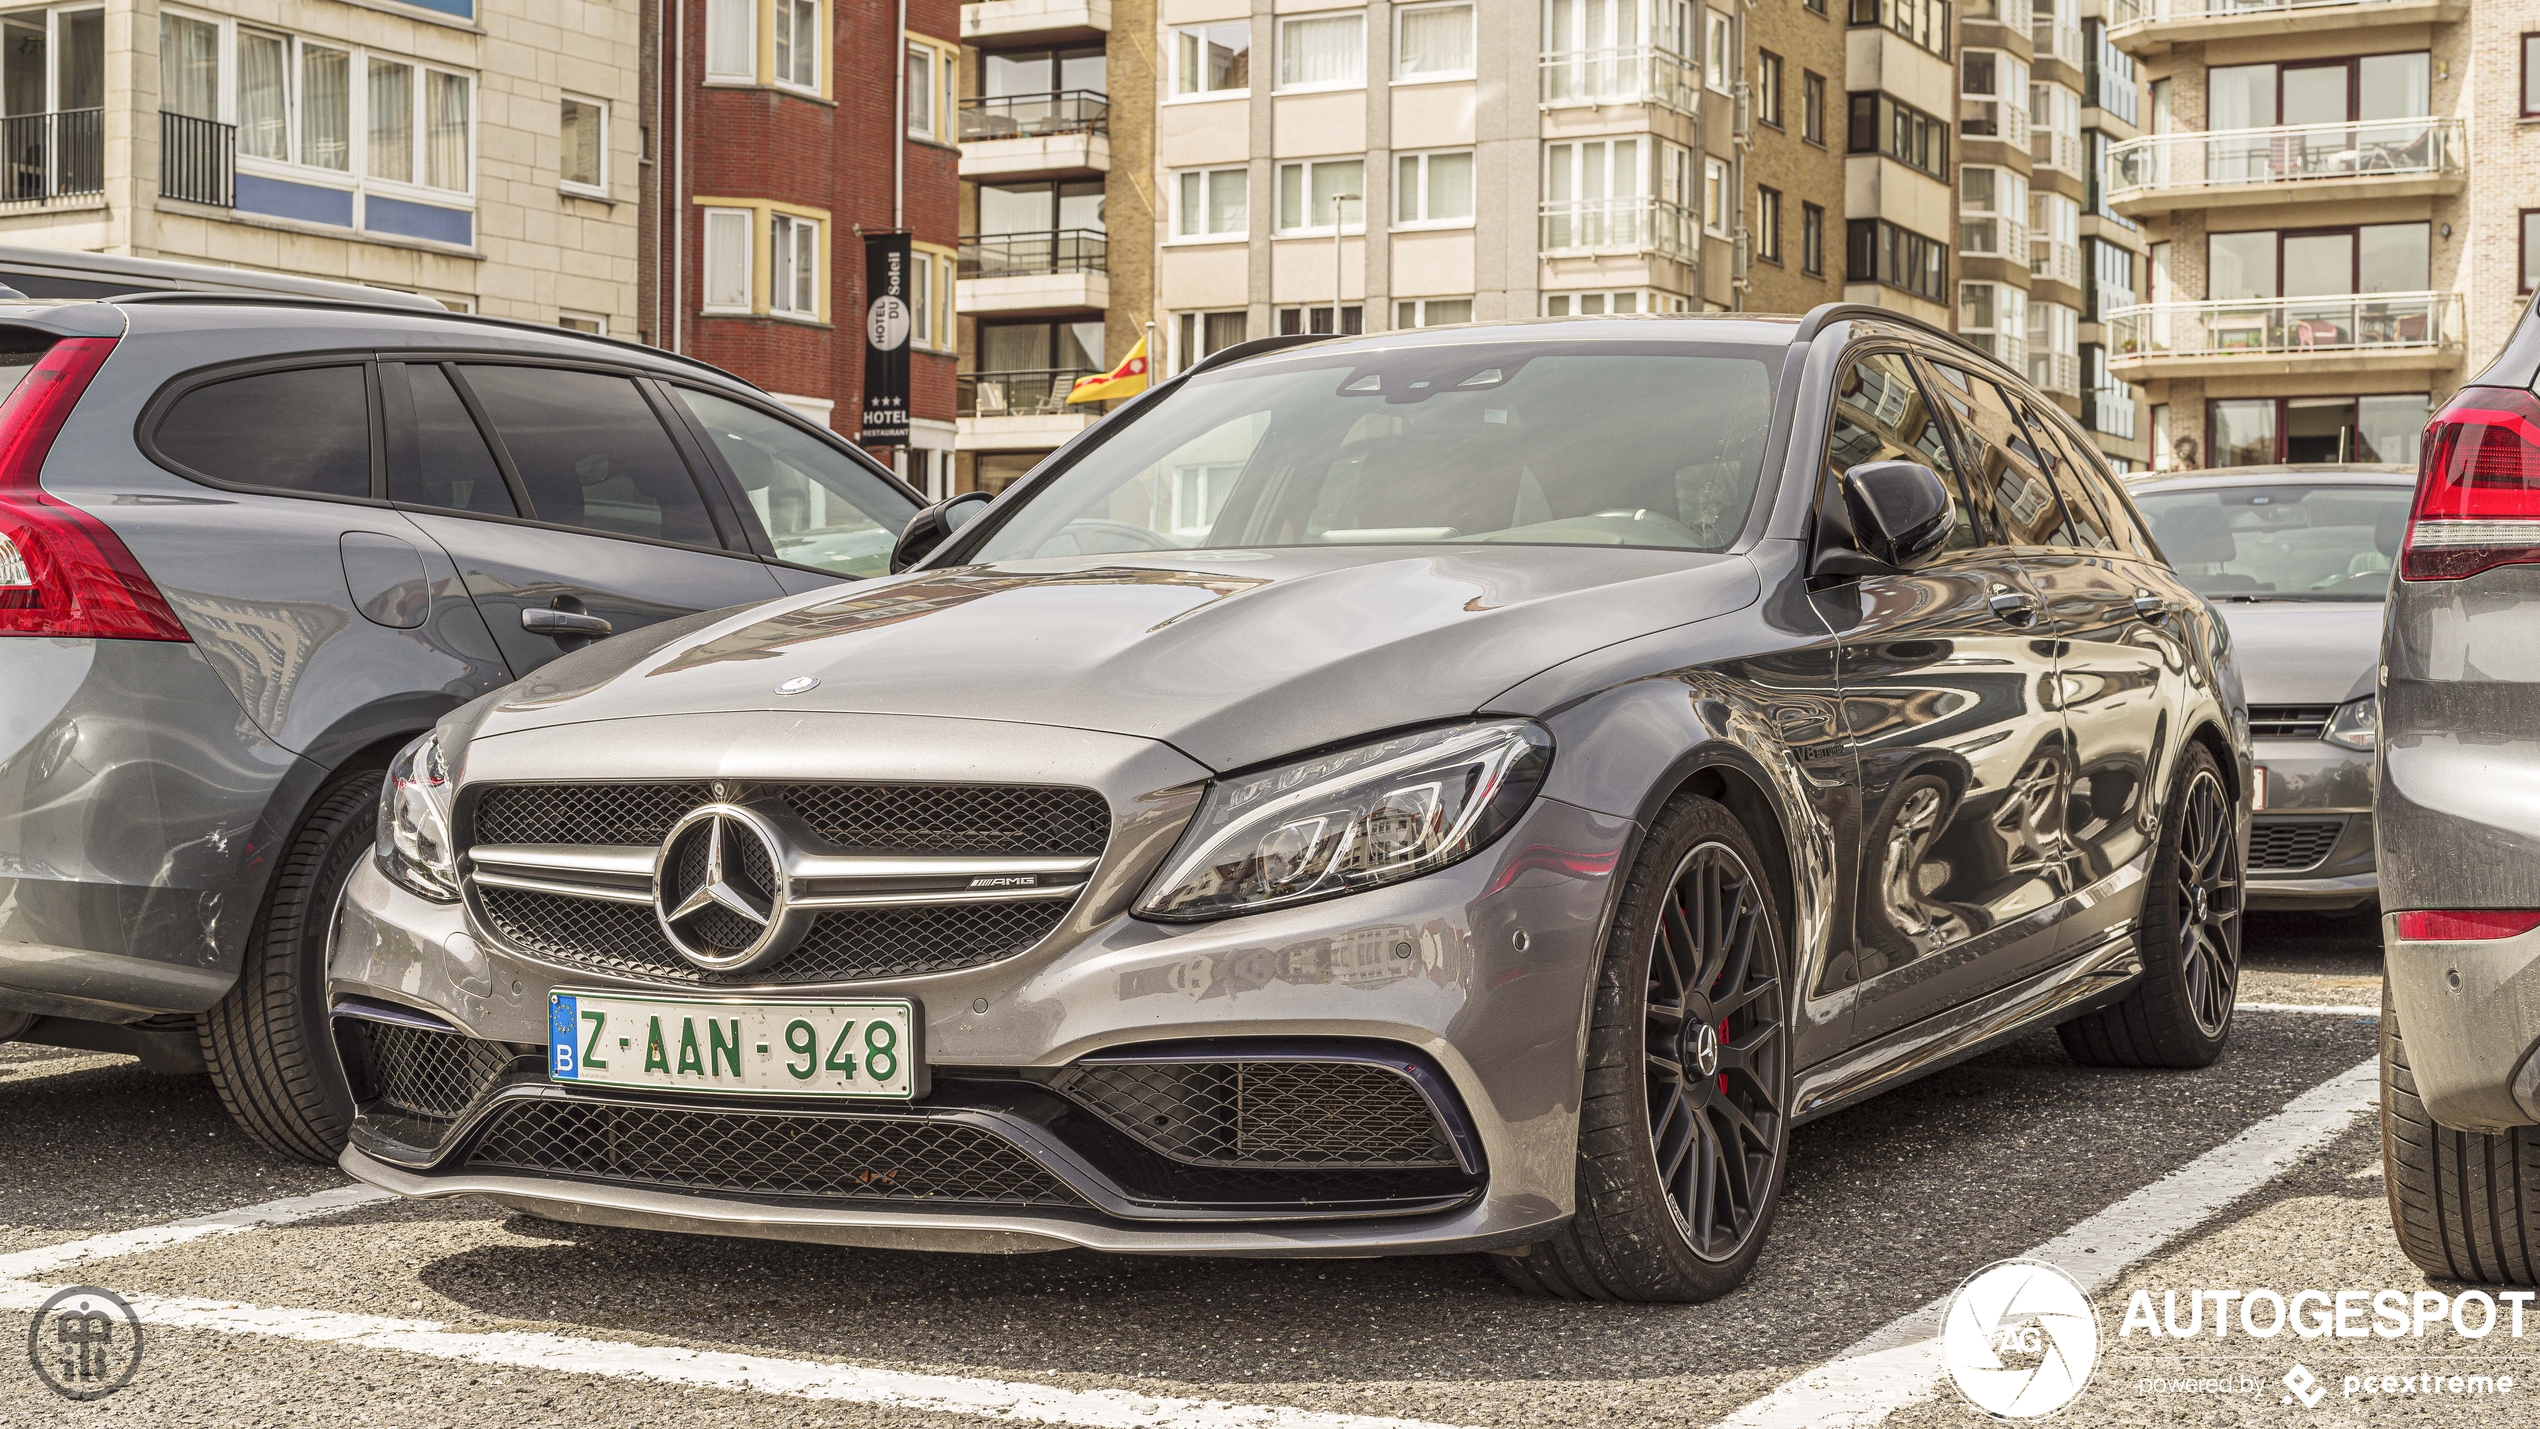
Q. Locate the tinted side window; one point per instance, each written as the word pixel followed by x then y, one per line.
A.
pixel 590 452
pixel 819 507
pixel 2005 463
pixel 447 464
pixel 305 431
pixel 2081 505
pixel 1882 414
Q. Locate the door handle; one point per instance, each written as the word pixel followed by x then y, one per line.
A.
pixel 2151 607
pixel 2015 608
pixel 565 620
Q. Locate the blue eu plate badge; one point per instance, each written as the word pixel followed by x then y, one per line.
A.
pixel 563 1022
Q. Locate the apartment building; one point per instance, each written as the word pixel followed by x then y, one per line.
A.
pixel 463 149
pixel 2337 202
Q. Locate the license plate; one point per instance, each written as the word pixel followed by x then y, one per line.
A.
pixel 807 1049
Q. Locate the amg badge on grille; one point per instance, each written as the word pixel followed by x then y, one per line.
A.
pixel 721 890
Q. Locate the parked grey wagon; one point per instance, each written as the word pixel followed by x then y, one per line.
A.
pixel 1469 789
pixel 2298 560
pixel 249 548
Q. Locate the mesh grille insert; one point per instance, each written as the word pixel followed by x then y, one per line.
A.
pixel 843 944
pixel 1265 1115
pixel 2291 846
pixel 428 1074
pixel 900 1159
pixel 916 819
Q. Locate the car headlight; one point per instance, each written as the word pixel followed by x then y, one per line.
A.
pixel 2356 724
pixel 414 823
pixel 1349 820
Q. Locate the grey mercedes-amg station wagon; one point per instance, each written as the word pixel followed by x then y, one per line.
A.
pixel 1474 789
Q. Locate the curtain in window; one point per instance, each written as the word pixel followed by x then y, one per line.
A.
pixel 732 39
pixel 445 101
pixel 727 258
pixel 189 66
pixel 1450 193
pixel 1325 50
pixel 1437 40
pixel 263 64
pixel 582 138
pixel 326 107
pixel 392 120
pixel 921 91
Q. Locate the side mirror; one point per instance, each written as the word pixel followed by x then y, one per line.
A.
pixel 1898 514
pixel 932 525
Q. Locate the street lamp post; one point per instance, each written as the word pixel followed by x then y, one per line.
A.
pixel 1337 201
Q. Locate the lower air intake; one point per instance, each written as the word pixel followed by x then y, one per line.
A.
pixel 1266 1115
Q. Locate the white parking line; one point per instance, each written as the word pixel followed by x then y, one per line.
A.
pixel 1900 1364
pixel 665 1364
pixel 2349 1009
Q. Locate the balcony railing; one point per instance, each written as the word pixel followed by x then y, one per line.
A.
pixel 1619 225
pixel 1995 236
pixel 2290 153
pixel 1036 393
pixel 1642 75
pixel 1034 255
pixel 2126 14
pixel 47 156
pixel 2055 258
pixel 198 160
pixel 2056 149
pixel 2009 348
pixel 2055 371
pixel 2289 327
pixel 1035 116
pixel 2061 41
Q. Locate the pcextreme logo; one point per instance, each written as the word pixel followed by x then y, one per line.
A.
pixel 2019 1339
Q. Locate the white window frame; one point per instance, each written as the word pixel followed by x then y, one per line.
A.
pixel 1179 95
pixel 567 317
pixel 572 186
pixel 1567 302
pixel 1196 318
pixel 921 299
pixel 782 261
pixel 1719 51
pixel 910 48
pixel 1420 309
pixel 1471 20
pixel 748 240
pixel 819 15
pixel 1424 221
pixel 1280 32
pixel 1177 236
pixel 747 39
pixel 1613 176
pixel 1718 190
pixel 1306 194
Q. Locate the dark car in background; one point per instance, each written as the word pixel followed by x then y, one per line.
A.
pixel 2298 561
pixel 249 547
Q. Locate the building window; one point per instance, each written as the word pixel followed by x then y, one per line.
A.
pixel 2268 430
pixel 727 259
pixel 1626 302
pixel 795 288
pixel 732 40
pixel 1318 319
pixel 1877 251
pixel 1433 42
pixel 294 102
pixel 1715 196
pixel 2112 286
pixel 1993 317
pixel 1433 190
pixel 1993 97
pixel 2107 404
pixel 1992 212
pixel 1812 240
pixel 1212 203
pixel 2054 122
pixel 1196 335
pixel 2054 347
pixel 1212 59
pixel 2107 79
pixel 592 323
pixel 1923 22
pixel 798 43
pixel 2530 249
pixel 1768 224
pixel 2531 74
pixel 1719 51
pixel 934 81
pixel 586 147
pixel 1432 312
pixel 1323 51
pixel 1310 193
pixel 1814 7
pixel 1812 107
pixel 1881 125
pixel 1768 88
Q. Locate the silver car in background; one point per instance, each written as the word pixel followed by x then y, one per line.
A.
pixel 2298 561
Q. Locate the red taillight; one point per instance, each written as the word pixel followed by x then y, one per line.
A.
pixel 2466 925
pixel 62 572
pixel 2478 487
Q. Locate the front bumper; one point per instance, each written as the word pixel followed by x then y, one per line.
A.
pixel 1479 973
pixel 2312 846
pixel 2471 1015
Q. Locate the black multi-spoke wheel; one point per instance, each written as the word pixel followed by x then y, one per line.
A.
pixel 2179 1015
pixel 1683 1126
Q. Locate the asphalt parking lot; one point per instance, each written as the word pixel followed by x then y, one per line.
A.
pixel 464 1314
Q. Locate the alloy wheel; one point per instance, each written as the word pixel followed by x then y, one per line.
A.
pixel 1717 1051
pixel 2209 903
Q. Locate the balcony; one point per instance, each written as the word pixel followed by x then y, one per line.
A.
pixel 2055 260
pixel 1061 135
pixel 1582 227
pixel 2360 332
pixel 198 160
pixel 2056 41
pixel 2145 27
pixel 1034 274
pixel 2381 158
pixel 2055 372
pixel 2057 149
pixel 1019 22
pixel 52 156
pixel 1644 75
pixel 1018 411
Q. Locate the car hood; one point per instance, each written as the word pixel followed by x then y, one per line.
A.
pixel 1233 657
pixel 2304 652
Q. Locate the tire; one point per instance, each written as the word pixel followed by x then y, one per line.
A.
pixel 1724 1132
pixel 2188 933
pixel 267 1043
pixel 2466 1204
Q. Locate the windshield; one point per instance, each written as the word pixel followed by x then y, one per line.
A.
pixel 2281 542
pixel 1542 442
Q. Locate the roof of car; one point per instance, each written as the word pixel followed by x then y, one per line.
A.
pixel 2279 474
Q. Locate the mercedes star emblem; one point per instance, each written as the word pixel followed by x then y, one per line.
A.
pixel 720 890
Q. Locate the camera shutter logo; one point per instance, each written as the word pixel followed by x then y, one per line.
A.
pixel 85 1342
pixel 2019 1339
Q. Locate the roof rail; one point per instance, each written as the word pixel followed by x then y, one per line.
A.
pixel 1254 347
pixel 1825 315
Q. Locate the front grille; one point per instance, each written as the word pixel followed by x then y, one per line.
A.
pixel 911 819
pixel 1289 1115
pixel 2289 721
pixel 901 1159
pixel 843 945
pixel 2291 847
pixel 436 1075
